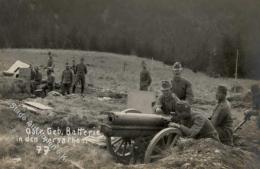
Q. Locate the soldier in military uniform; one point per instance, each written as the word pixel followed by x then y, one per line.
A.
pixel 50 64
pixel 66 80
pixel 73 67
pixel 193 125
pixel 50 82
pixel 37 80
pixel 221 117
pixel 81 71
pixel 145 78
pixel 180 86
pixel 255 111
pixel 38 75
pixel 32 72
pixel 166 102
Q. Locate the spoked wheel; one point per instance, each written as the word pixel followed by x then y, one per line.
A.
pixel 161 144
pixel 120 148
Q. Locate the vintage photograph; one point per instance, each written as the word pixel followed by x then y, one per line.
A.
pixel 129 84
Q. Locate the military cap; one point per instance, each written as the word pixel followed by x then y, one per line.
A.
pixel 165 85
pixel 222 89
pixel 183 106
pixel 177 66
pixel 82 58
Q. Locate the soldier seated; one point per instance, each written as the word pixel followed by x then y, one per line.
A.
pixel 193 125
pixel 166 102
pixel 221 117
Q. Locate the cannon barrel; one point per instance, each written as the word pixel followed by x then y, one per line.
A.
pixel 137 119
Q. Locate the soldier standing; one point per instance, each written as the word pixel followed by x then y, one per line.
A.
pixel 50 64
pixel 180 86
pixel 50 82
pixel 37 80
pixel 193 125
pixel 221 117
pixel 255 111
pixel 66 80
pixel 145 78
pixel 81 71
pixel 38 76
pixel 166 102
pixel 73 67
pixel 32 72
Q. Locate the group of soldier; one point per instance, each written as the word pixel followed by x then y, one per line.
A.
pixel 72 76
pixel 176 99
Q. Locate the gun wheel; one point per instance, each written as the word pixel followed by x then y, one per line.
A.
pixel 120 148
pixel 161 144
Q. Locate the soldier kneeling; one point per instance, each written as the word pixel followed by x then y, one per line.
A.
pixel 193 125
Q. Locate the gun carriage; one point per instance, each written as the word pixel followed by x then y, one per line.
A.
pixel 132 135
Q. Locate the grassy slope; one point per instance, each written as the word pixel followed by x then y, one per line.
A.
pixel 106 72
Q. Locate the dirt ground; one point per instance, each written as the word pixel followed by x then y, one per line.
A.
pixel 109 80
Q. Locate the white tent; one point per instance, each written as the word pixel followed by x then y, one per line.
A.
pixel 14 69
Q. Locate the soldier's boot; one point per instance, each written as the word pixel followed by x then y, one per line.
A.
pixel 82 80
pixel 82 88
pixel 74 88
pixel 68 90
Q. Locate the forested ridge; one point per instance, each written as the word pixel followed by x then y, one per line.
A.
pixel 204 34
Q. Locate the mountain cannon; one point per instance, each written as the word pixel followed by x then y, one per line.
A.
pixel 134 137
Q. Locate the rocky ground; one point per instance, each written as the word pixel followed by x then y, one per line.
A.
pixel 109 94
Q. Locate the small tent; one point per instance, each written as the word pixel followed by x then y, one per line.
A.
pixel 14 69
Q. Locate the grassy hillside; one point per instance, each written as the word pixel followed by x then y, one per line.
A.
pixel 106 70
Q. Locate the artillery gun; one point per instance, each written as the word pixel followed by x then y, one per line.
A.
pixel 136 137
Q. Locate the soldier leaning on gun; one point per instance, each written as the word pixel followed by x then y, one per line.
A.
pixel 255 111
pixel 145 78
pixel 221 117
pixel 193 125
pixel 66 80
pixel 180 86
pixel 166 102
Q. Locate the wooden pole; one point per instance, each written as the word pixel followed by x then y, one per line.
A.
pixel 236 65
pixel 152 66
pixel 236 75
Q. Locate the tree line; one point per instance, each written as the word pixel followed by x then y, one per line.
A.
pixel 203 34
